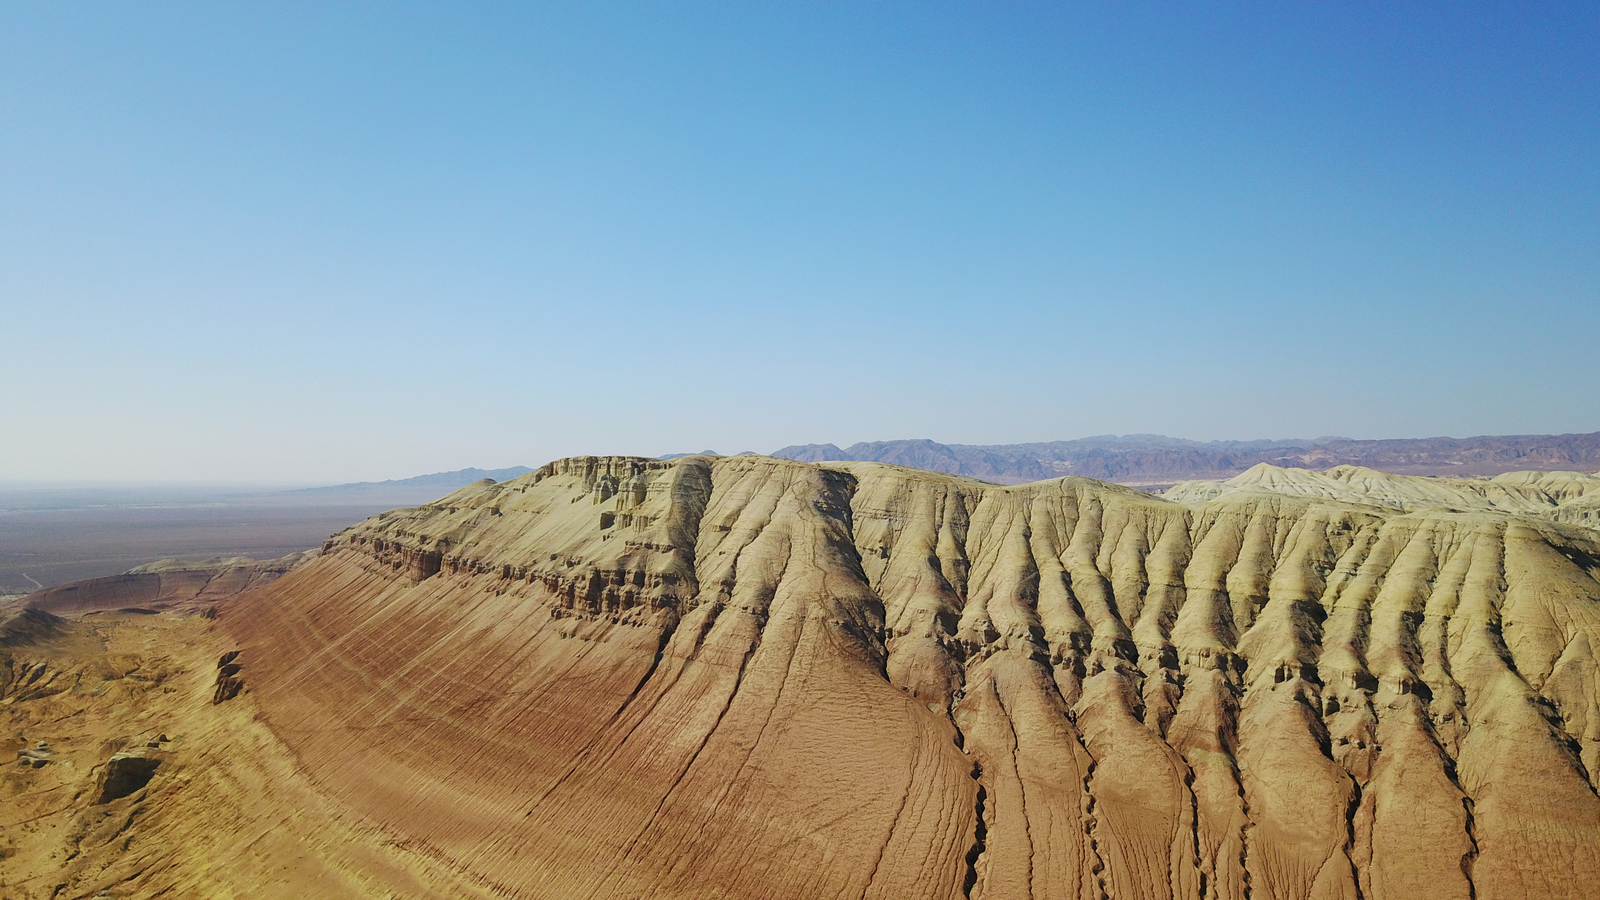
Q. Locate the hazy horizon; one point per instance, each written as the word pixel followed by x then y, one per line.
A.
pixel 245 487
pixel 326 244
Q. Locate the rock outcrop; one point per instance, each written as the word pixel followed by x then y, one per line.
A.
pixel 126 772
pixel 751 677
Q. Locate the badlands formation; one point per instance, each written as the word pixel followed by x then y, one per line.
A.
pixel 749 677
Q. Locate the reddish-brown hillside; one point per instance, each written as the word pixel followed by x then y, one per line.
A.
pixel 749 677
pixel 756 678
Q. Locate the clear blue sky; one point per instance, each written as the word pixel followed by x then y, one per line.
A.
pixel 288 242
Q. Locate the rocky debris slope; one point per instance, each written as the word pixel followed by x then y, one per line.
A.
pixel 750 677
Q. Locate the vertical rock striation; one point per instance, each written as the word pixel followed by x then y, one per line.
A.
pixel 751 677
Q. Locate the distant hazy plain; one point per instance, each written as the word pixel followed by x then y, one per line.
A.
pixel 53 535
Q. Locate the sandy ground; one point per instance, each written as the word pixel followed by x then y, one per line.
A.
pixel 227 812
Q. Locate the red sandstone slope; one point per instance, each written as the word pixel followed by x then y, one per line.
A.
pixel 748 677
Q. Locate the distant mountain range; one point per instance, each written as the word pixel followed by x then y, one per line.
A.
pixel 402 491
pixel 1146 460
pixel 1156 460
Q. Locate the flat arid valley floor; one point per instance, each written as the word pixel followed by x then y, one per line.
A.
pixel 49 536
pixel 749 677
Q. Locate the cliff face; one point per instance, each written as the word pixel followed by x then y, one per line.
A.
pixel 750 677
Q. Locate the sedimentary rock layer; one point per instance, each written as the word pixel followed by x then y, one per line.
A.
pixel 750 677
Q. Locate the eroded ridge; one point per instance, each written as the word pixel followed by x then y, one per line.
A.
pixel 752 677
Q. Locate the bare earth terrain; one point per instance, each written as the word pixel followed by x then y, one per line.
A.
pixel 751 677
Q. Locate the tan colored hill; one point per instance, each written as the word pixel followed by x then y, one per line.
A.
pixel 750 677
pixel 1559 496
pixel 163 584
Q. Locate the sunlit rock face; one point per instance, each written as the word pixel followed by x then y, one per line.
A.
pixel 751 677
